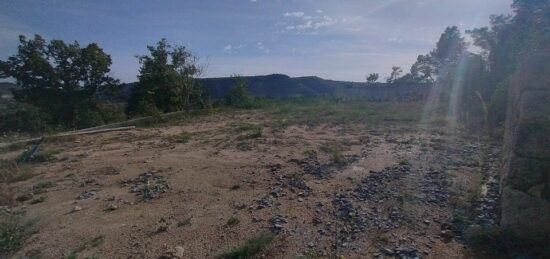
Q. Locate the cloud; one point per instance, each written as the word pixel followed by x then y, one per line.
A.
pixel 232 48
pixel 261 47
pixel 311 23
pixel 254 1
pixel 327 21
pixel 293 14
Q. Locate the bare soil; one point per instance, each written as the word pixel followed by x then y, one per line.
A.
pixel 325 191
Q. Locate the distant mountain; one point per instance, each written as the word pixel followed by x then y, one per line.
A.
pixel 274 86
pixel 278 86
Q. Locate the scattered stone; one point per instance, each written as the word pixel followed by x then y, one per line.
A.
pixel 87 195
pixel 76 208
pixel 147 186
pixel 277 223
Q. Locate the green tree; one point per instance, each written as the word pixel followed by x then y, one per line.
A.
pixel 239 96
pixel 59 78
pixel 372 78
pixel 167 81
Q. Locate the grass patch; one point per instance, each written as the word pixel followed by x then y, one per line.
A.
pixel 42 187
pixel 97 241
pixel 11 172
pixel 183 223
pixel 334 150
pixel 235 187
pixel 13 232
pixel 251 248
pixel 404 161
pixel 248 130
pixel 45 156
pixel 40 199
pixel 314 111
pixel 232 221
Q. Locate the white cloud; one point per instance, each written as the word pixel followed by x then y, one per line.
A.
pixel 293 14
pixel 254 1
pixel 227 48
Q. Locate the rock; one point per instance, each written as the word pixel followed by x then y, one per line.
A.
pixel 300 199
pixel 387 251
pixel 174 253
pixel 86 195
pixel 76 208
pixel 179 251
pixel 111 207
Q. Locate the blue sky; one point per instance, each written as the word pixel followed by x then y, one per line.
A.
pixel 336 39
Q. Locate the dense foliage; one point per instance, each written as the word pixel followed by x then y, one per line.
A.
pixel 59 79
pixel 474 85
pixel 167 82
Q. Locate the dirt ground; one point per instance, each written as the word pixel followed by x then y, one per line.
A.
pixel 210 184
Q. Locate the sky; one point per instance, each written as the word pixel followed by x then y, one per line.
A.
pixel 332 39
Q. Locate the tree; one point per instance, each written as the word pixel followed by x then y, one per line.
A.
pixel 59 78
pixel 372 78
pixel 396 71
pixel 449 47
pixel 239 96
pixel 167 81
pixel 423 70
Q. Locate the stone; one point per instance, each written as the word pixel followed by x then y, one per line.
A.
pixel 76 208
pixel 111 207
pixel 179 251
pixel 173 253
pixel 387 251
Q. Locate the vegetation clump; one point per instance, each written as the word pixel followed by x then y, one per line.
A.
pixel 251 248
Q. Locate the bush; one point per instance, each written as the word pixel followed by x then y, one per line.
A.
pixel 239 96
pixel 24 118
pixel 98 114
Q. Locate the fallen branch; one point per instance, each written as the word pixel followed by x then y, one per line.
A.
pixel 65 134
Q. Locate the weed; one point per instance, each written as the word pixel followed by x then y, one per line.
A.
pixel 11 172
pixel 183 223
pixel 404 161
pixel 13 233
pixel 184 137
pixel 97 241
pixel 232 221
pixel 108 170
pixel 334 150
pixel 248 130
pixel 251 248
pixel 45 156
pixel 40 199
pixel 42 187
pixel 235 187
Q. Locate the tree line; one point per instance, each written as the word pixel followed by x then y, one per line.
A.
pixel 480 80
pixel 65 85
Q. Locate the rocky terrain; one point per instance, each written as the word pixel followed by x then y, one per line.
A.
pixel 204 186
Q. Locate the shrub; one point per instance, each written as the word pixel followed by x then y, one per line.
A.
pixel 12 234
pixel 239 97
pixel 24 118
pixel 98 114
pixel 251 248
